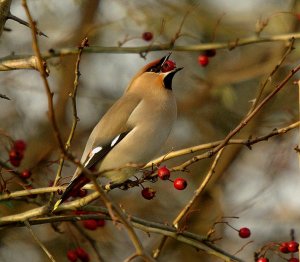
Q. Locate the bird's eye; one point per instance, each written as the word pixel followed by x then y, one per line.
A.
pixel 154 69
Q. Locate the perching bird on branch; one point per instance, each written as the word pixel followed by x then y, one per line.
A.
pixel 134 129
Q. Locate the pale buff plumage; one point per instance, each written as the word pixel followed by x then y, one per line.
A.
pixel 147 111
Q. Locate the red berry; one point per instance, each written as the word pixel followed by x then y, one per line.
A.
pixel 100 222
pixel 283 248
pixel 244 232
pixel 15 157
pixel 203 60
pixel 82 192
pixel 262 259
pixel 82 254
pixel 90 224
pixel 168 66
pixel 163 173
pixel 19 145
pixel 72 256
pixel 293 246
pixel 210 52
pixel 293 259
pixel 148 193
pixel 180 183
pixel 147 36
pixel 25 174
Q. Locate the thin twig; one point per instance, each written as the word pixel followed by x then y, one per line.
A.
pixel 290 48
pixel 39 242
pixel 199 190
pixel 247 142
pixel 13 62
pixel 187 207
pixel 240 126
pixel 83 44
pixel 116 213
pixel 189 238
pixel 43 73
pixel 299 120
pixel 22 22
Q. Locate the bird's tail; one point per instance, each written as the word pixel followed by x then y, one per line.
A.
pixel 74 186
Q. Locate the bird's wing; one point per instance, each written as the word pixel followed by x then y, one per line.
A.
pixel 111 129
pixel 99 152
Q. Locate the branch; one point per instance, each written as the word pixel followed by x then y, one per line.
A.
pixel 189 238
pixel 83 44
pixel 17 62
pixel 247 142
pixel 13 61
pixel 22 22
pixel 199 190
pixel 43 73
pixel 4 12
pixel 187 208
pixel 38 241
pixel 241 125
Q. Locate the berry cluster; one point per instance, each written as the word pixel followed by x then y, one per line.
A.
pixel 90 224
pixel 78 253
pixel 203 59
pixel 16 155
pixel 164 174
pixel 289 247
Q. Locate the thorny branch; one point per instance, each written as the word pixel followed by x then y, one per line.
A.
pixel 241 125
pixel 13 62
pixel 247 142
pixel 83 44
pixel 43 73
pixel 114 210
pixel 189 238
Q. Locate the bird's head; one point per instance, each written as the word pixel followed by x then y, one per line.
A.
pixel 158 73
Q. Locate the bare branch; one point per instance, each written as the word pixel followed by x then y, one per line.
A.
pixel 39 242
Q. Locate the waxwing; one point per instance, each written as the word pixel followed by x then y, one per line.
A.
pixel 134 129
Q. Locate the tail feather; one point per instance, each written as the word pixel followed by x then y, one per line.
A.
pixel 74 186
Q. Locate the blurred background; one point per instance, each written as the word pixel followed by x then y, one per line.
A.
pixel 259 186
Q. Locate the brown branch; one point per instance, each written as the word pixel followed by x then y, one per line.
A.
pixel 116 213
pixel 199 190
pixel 15 62
pixel 84 43
pixel 187 207
pixel 247 142
pixel 23 61
pixel 290 48
pixel 189 238
pixel 22 22
pixel 38 241
pixel 43 73
pixel 240 126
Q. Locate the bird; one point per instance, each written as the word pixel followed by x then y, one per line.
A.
pixel 133 130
